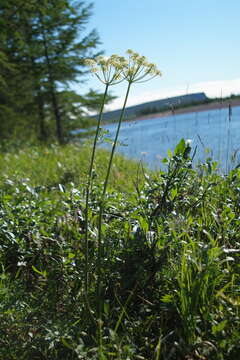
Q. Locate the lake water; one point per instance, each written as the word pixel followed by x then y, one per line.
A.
pixel 214 132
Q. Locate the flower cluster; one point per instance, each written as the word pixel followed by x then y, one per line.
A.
pixel 107 69
pixel 139 69
pixel 116 68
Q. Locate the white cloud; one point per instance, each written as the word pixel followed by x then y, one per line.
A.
pixel 211 88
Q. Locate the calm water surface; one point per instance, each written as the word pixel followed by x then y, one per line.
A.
pixel 215 134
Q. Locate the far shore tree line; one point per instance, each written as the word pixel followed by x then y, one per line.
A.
pixel 43 45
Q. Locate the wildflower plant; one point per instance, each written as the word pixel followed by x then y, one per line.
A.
pixel 135 69
pixel 111 71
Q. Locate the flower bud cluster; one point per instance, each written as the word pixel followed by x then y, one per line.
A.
pixel 139 69
pixel 117 68
pixel 107 69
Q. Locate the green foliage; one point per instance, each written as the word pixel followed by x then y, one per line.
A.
pixel 43 47
pixel 52 165
pixel 73 110
pixel 169 269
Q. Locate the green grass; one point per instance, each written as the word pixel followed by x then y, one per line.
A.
pixel 53 165
pixel 170 267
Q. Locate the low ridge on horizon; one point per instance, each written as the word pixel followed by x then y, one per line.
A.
pixel 157 106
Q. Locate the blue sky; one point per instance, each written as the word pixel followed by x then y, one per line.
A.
pixel 195 43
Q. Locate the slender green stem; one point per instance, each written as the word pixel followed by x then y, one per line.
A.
pixel 101 208
pixel 115 140
pixel 89 182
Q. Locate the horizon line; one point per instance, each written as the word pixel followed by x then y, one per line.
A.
pixel 212 89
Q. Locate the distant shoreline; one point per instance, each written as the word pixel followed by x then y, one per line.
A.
pixel 195 108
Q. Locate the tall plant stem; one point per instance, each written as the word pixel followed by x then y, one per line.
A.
pixel 101 206
pixel 115 141
pixel 89 182
pixel 228 138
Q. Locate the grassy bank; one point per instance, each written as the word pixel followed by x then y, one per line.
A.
pixel 53 165
pixel 169 263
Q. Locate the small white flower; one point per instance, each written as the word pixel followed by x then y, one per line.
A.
pixel 90 62
pixel 21 263
pixel 150 236
pixel 188 142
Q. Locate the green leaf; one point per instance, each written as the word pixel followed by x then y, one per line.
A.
pixel 42 273
pixel 167 298
pixel 173 193
pixel 170 154
pixel 180 148
pixel 219 327
pixel 65 343
pixel 106 308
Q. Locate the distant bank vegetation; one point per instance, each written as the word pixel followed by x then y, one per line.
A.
pixel 163 105
pixel 158 106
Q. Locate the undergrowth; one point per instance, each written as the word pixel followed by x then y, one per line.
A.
pixel 169 267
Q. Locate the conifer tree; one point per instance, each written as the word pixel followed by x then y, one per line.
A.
pixel 45 43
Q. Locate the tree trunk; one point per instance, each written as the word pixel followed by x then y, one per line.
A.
pixel 57 114
pixel 53 94
pixel 40 104
pixel 41 117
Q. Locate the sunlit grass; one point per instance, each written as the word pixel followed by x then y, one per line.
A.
pixel 53 165
pixel 170 266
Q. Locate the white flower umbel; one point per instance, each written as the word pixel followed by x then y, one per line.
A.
pixel 111 71
pixel 107 69
pixel 134 69
pixel 138 69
